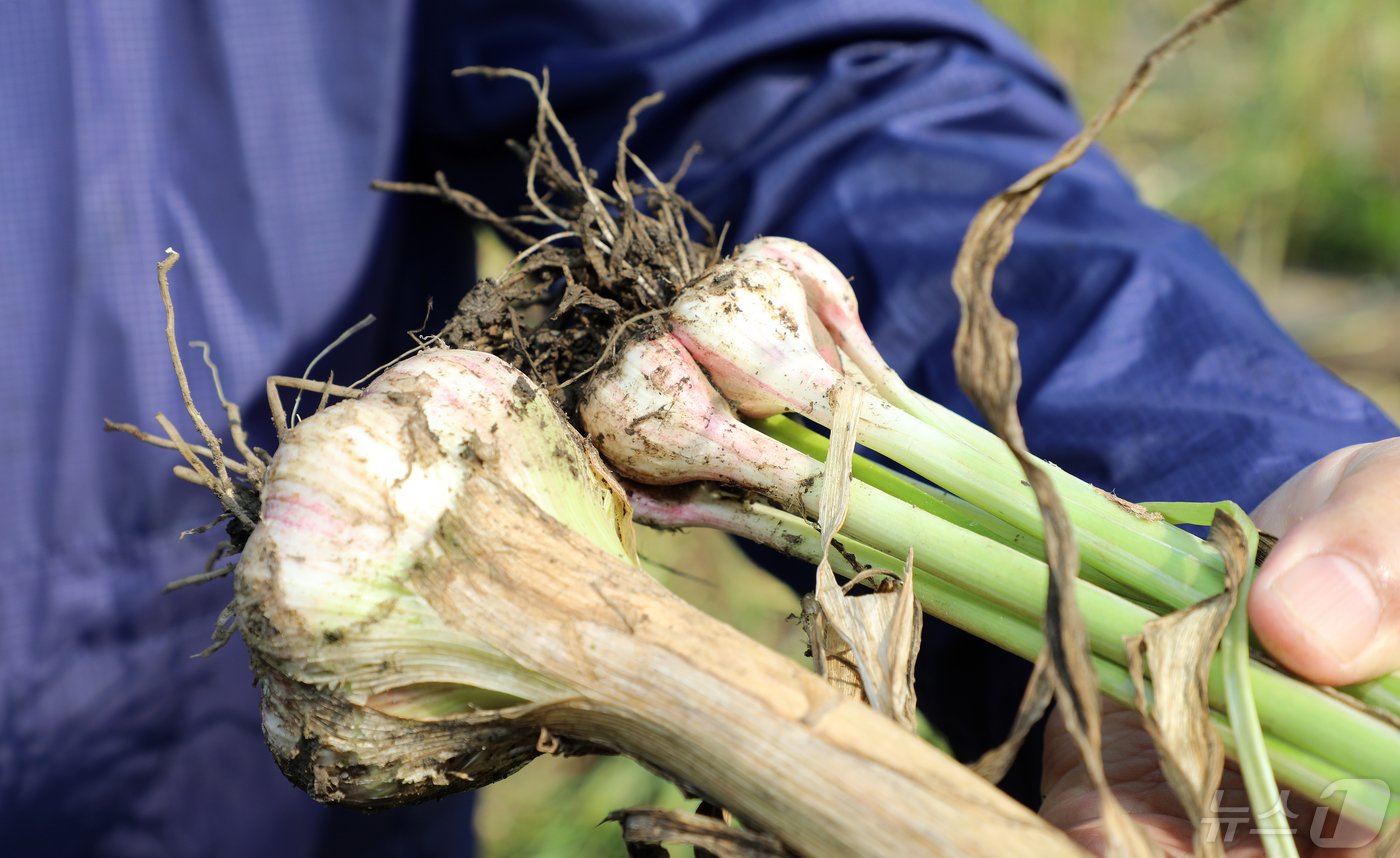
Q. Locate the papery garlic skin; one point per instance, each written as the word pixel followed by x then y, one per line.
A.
pixel 826 346
pixel 747 324
pixel 829 293
pixel 833 303
pixel 479 405
pixel 356 492
pixel 657 419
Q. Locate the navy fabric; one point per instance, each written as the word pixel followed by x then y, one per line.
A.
pixel 244 133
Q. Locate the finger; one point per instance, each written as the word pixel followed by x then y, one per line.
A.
pixel 1071 802
pixel 1327 600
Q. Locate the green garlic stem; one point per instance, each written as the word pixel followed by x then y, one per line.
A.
pixel 931 499
pixel 1259 781
pixel 1365 801
pixel 928 498
pixel 1291 710
pixel 1383 693
pixel 1163 562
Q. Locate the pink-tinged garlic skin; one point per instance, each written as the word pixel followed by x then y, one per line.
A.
pixel 702 506
pixel 826 346
pixel 833 302
pixel 828 291
pixel 747 324
pixel 671 507
pixel 355 493
pixel 658 420
pixel 334 541
pixel 829 294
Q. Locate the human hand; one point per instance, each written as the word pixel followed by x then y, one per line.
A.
pixel 1326 604
pixel 1327 600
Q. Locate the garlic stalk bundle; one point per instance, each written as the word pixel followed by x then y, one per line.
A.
pixel 657 419
pixel 700 505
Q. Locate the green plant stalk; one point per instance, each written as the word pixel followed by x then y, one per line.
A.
pixel 1309 774
pixel 1382 694
pixel 928 498
pixel 1364 801
pixel 1164 563
pixel 1289 709
pixel 1391 684
pixel 1259 781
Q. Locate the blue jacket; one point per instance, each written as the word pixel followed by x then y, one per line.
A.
pixel 244 133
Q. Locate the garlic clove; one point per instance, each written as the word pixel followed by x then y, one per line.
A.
pixel 747 324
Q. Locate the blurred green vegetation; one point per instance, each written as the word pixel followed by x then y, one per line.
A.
pixel 1278 132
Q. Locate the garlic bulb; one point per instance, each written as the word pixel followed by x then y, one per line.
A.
pixel 325 596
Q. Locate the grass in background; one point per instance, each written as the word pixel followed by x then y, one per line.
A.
pixel 1279 133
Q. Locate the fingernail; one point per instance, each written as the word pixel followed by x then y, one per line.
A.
pixel 1333 602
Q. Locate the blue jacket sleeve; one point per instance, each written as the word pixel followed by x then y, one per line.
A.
pixel 243 133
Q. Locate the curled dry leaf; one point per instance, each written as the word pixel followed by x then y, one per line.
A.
pixel 1178 649
pixel 994 764
pixel 869 643
pixel 866 644
pixel 989 371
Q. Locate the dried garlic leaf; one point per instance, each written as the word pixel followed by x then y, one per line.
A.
pixel 994 764
pixel 1178 650
pixel 871 643
pixel 831 655
pixel 989 372
pixel 836 479
pixel 865 645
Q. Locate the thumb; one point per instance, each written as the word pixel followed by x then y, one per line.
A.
pixel 1327 600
